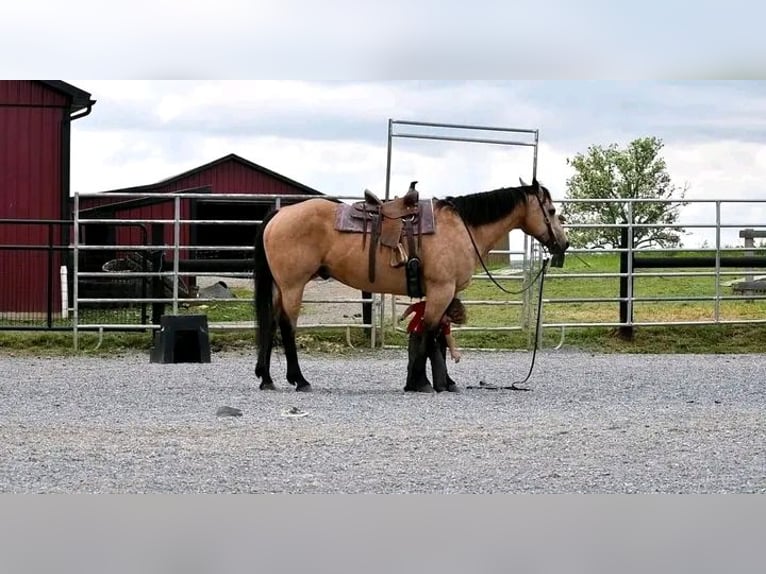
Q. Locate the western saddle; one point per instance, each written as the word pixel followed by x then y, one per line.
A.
pixel 391 222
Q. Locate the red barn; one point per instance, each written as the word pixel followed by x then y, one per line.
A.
pixel 228 174
pixel 35 120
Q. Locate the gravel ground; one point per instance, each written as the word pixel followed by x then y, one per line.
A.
pixel 592 424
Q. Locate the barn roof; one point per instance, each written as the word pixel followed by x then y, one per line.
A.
pixel 80 98
pixel 227 158
pixel 247 163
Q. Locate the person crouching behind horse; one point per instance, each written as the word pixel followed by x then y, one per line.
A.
pixel 436 350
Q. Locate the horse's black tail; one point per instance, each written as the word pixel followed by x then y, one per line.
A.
pixel 264 295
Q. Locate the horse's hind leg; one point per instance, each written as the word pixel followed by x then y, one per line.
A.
pixel 263 364
pixel 294 374
pixel 288 320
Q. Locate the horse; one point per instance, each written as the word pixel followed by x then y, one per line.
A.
pixel 299 242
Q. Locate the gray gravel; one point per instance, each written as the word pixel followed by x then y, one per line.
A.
pixel 592 424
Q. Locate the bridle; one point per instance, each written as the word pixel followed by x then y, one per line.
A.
pixel 551 235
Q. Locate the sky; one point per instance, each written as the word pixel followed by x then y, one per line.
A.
pixel 332 135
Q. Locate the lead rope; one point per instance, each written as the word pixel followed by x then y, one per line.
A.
pixel 514 386
pixel 541 274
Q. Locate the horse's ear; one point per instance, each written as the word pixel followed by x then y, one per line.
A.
pixel 535 184
pixel 523 183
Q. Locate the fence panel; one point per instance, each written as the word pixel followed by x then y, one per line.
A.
pixel 127 279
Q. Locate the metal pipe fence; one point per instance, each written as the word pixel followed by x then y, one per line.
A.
pixel 619 287
pixel 664 286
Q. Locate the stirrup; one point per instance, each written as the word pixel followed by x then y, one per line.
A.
pixel 398 256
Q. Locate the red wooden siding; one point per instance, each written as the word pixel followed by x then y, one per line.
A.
pixel 30 93
pixel 30 185
pixel 230 174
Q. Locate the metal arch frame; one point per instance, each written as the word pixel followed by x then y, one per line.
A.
pixel 392 133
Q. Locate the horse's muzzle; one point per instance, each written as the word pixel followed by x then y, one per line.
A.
pixel 555 247
pixel 557 252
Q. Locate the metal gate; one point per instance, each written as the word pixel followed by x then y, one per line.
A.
pixel 531 254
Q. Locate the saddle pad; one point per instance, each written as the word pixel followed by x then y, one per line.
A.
pixel 347 218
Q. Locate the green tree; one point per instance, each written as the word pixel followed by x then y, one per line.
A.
pixel 636 171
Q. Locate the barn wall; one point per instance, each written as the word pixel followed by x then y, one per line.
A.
pixel 29 93
pixel 232 175
pixel 30 187
pixel 227 177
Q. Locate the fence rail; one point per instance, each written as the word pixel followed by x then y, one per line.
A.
pixel 625 286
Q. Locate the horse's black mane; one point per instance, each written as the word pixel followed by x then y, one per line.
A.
pixel 490 206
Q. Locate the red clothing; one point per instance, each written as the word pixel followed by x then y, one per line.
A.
pixel 417 325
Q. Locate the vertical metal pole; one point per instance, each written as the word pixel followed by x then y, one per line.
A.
pixel 388 157
pixel 525 278
pixel 717 260
pixel 534 257
pixel 625 330
pixel 158 265
pixel 540 310
pixel 630 265
pixel 382 303
pixel 176 249
pixel 76 270
pixel 749 236
pixel 373 331
pixel 50 276
pixel 538 342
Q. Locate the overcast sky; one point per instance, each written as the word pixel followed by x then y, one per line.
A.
pixel 332 135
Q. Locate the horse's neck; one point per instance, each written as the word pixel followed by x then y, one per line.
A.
pixel 490 234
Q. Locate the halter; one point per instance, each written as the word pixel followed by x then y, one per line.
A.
pixel 551 235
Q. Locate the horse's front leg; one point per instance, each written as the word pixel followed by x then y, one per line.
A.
pixel 423 345
pixel 417 380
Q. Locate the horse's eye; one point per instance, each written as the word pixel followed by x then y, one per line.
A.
pixel 552 211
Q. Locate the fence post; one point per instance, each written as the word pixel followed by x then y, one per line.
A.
pixel 367 313
pixel 625 332
pixel 749 236
pixel 158 291
pixel 49 315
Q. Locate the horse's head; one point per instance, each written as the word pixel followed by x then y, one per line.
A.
pixel 542 221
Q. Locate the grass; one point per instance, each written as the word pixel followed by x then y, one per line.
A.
pixel 721 338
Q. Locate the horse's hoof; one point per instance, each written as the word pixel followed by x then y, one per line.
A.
pixel 303 388
pixel 453 388
pixel 267 386
pixel 421 388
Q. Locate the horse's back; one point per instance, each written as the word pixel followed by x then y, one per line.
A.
pixel 301 218
pixel 299 234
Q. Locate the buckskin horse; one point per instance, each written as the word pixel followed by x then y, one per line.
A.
pixel 405 246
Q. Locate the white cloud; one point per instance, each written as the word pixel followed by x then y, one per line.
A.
pixel 332 136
